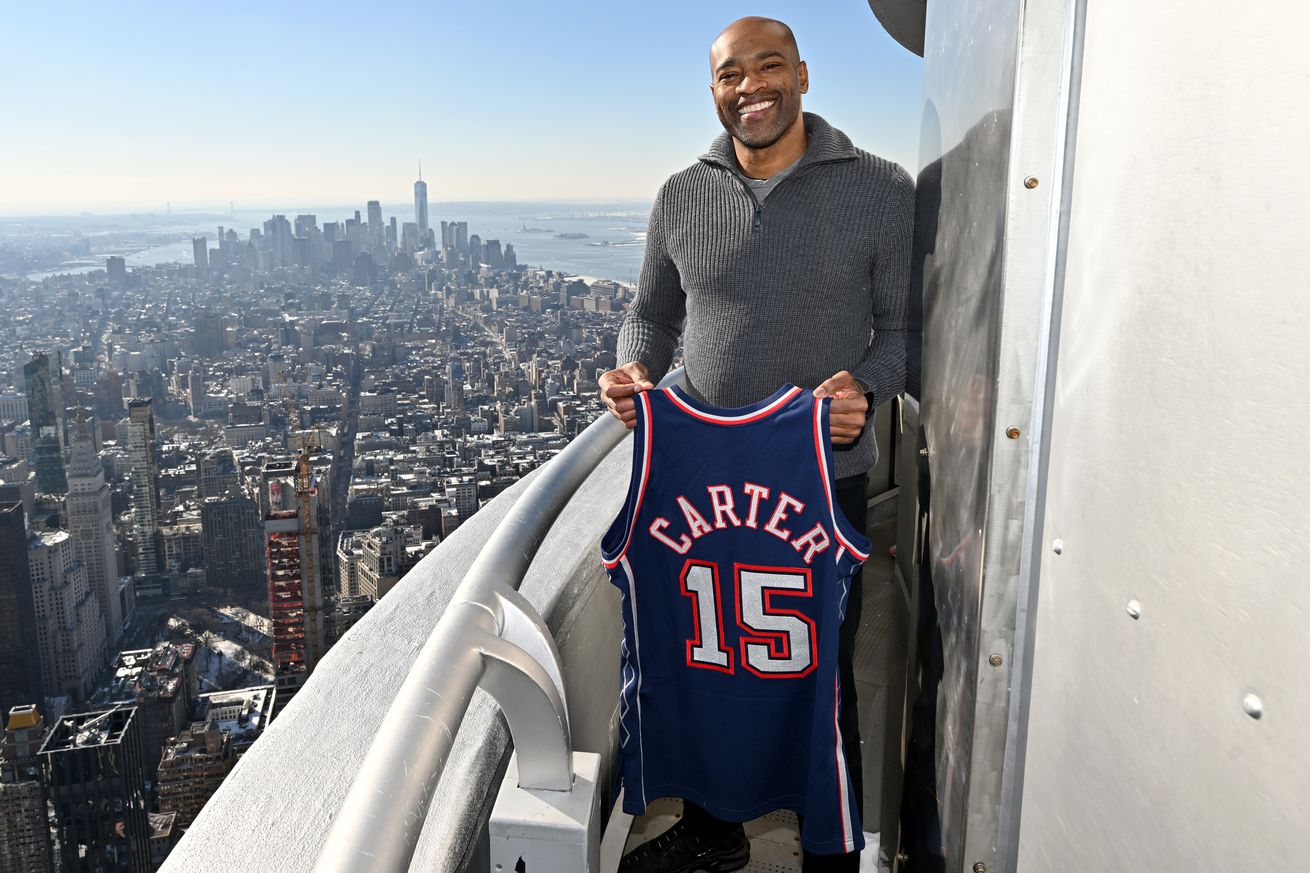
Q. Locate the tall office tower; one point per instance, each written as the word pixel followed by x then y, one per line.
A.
pixel 69 629
pixel 511 259
pixel 277 240
pixel 217 473
pixel 461 232
pixel 44 375
pixel 145 484
pixel 210 335
pixel 295 573
pixel 91 524
pixel 20 653
pixel 376 230
pixel 455 385
pixel 421 206
pixel 96 782
pixel 232 542
pixel 342 258
pixel 475 250
pixel 24 832
pixel 200 254
pixel 392 239
pixel 409 237
pixel 492 254
pixel 116 267
pixel 306 224
pixel 445 234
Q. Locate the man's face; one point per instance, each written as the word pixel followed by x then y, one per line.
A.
pixel 757 82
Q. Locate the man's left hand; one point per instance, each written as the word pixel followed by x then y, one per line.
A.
pixel 849 409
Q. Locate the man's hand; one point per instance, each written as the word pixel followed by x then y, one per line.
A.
pixel 849 409
pixel 617 388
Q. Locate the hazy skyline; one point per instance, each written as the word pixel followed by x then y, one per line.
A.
pixel 132 106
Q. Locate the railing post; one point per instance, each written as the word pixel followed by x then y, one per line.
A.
pixel 538 830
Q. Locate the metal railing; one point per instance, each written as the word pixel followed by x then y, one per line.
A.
pixel 489 637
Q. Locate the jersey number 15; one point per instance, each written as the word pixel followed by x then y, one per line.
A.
pixel 776 643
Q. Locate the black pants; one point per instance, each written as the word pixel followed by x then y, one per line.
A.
pixel 852 497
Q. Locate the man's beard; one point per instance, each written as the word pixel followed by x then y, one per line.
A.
pixel 755 136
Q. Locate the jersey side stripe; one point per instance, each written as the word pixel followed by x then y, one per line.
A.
pixel 843 785
pixel 641 490
pixel 636 636
pixel 731 419
pixel 821 452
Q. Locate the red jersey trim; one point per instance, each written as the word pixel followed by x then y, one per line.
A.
pixel 744 418
pixel 821 453
pixel 641 489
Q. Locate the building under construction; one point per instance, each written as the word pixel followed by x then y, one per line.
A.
pixel 289 498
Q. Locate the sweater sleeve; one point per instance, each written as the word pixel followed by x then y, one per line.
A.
pixel 881 372
pixel 654 322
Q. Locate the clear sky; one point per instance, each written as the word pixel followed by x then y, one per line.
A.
pixel 128 105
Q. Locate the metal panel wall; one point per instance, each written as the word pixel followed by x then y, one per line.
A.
pixel 1174 606
pixel 970 50
pixel 995 112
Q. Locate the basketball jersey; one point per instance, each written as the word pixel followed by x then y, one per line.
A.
pixel 733 563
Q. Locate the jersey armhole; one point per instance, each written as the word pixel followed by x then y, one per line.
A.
pixel 614 544
pixel 853 541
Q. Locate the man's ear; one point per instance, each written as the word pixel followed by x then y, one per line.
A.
pixel 803 73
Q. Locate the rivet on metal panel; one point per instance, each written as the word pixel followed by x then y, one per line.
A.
pixel 1253 705
pixel 1134 609
pixel 1012 432
pixel 995 660
pixel 1030 182
pixel 1057 546
pixel 980 867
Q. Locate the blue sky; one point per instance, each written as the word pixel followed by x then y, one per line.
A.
pixel 131 104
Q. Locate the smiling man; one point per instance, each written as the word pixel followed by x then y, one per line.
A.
pixel 781 256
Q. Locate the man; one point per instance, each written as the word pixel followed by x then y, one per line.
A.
pixel 781 255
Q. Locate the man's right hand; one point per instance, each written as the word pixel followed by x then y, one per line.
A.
pixel 617 388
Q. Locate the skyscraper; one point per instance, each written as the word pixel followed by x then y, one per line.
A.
pixel 69 629
pixel 200 253
pixel 91 523
pixel 20 655
pixel 44 375
pixel 96 778
pixel 421 208
pixel 24 833
pixel 145 483
pixel 230 523
pixel 295 575
pixel 376 230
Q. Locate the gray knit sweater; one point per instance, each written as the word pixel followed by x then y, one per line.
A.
pixel 813 281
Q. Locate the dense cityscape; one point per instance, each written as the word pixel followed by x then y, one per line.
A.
pixel 209 471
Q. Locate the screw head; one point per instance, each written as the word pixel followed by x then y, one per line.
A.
pixel 1057 546
pixel 980 867
pixel 1012 432
pixel 1030 182
pixel 1134 609
pixel 1253 705
pixel 995 660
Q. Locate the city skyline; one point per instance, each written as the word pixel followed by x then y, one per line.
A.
pixel 575 102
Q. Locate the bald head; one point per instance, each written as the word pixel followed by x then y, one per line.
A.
pixel 752 24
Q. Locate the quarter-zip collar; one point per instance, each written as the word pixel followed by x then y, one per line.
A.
pixel 827 144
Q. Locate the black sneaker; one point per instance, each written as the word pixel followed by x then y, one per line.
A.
pixel 682 849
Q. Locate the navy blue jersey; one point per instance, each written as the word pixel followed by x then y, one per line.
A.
pixel 734 563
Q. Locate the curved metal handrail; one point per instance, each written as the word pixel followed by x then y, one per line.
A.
pixel 489 636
